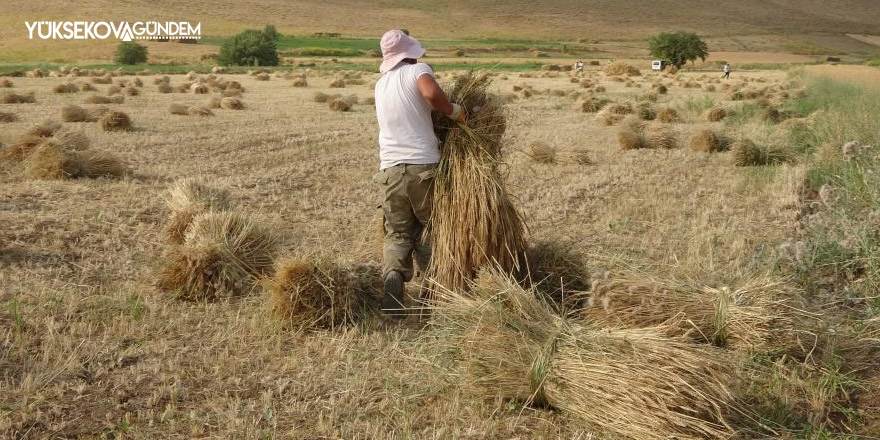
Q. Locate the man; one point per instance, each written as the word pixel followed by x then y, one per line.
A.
pixel 408 154
pixel 726 70
pixel 579 66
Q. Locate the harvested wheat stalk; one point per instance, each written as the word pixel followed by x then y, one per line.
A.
pixel 474 221
pixel 629 383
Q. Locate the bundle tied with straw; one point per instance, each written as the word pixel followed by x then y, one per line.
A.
pixel 474 221
pixel 631 383
pixel 753 314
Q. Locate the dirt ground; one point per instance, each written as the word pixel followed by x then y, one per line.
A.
pixel 90 346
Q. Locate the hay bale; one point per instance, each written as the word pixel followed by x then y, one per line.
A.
pixel 574 156
pixel 716 114
pixel 86 87
pixel 223 255
pixel 132 91
pixel 137 82
pixel 164 88
pixel 187 198
pixel 115 121
pixel 620 108
pixel 231 93
pixel 646 111
pixel 15 98
pixel 46 128
pixel 262 77
pixel 621 67
pixel 65 88
pixel 164 79
pixel 747 153
pixel 300 82
pixel 6 83
pixel 371 100
pixel 474 221
pixel 177 109
pixel 199 110
pixel 631 137
pixel 71 140
pixel 773 115
pixel 199 89
pixel 114 90
pixel 8 117
pixel 609 118
pixel 660 136
pixel 232 103
pixel 668 115
pixel 105 79
pixel 339 105
pixel 337 84
pixel 20 148
pixel 750 315
pixel 599 89
pixel 321 97
pixel 323 293
pixel 708 141
pixel 541 152
pixel 218 69
pixel 512 346
pixel 558 272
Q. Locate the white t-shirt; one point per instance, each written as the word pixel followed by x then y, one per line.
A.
pixel 406 132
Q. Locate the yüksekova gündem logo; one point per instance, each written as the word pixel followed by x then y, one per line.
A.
pixel 101 30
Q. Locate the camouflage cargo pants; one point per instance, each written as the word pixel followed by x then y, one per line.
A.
pixel 407 197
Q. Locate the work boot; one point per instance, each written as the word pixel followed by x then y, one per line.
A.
pixel 392 303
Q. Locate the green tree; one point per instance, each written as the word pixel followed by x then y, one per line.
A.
pixel 270 32
pixel 129 52
pixel 249 48
pixel 679 47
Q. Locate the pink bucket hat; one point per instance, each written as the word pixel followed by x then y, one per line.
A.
pixel 397 46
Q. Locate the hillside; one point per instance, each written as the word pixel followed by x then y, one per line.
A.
pixel 605 19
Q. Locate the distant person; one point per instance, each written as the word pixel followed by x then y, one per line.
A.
pixel 408 156
pixel 579 66
pixel 726 70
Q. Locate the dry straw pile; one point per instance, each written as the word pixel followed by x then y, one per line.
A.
pixel 49 152
pixel 115 121
pixel 747 153
pixel 186 199
pixel 709 141
pixel 75 113
pixel 474 221
pixel 15 98
pixel 223 255
pixel 322 292
pixel 541 152
pixel 751 315
pixel 621 68
pixel 630 383
pixel 8 117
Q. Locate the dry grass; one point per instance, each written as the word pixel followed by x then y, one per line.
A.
pixel 177 109
pixel 65 88
pixel 8 117
pixel 660 136
pixel 323 293
pixel 132 91
pixel 474 221
pixel 337 84
pixel 541 152
pixel 511 345
pixel 6 83
pixel 592 104
pixel 223 255
pixel 299 82
pixel 115 121
pixel 52 160
pixel 751 315
pixel 74 113
pixel 199 110
pixel 199 89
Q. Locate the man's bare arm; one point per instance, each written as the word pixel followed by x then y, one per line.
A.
pixel 432 93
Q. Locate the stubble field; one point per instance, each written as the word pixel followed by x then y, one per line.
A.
pixel 92 347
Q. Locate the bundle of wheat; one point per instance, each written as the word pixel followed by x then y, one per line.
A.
pixel 339 105
pixel 8 117
pixel 199 88
pixel 558 272
pixel 213 102
pixel 5 83
pixel 668 115
pixel 65 88
pixel 132 91
pixel 15 98
pixel 716 114
pixel 262 77
pixel 621 67
pixel 622 383
pixel 61 159
pixel 708 141
pixel 337 84
pixel 115 121
pixel 300 82
pixel 187 198
pixel 474 221
pixel 98 99
pixel 223 255
pixel 592 104
pixel 232 103
pixel 86 87
pixel 322 293
pixel 164 88
pixel 747 153
pixel 751 315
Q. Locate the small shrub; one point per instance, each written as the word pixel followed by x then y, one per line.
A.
pixel 128 52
